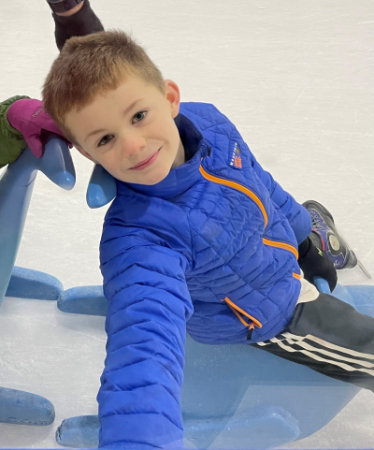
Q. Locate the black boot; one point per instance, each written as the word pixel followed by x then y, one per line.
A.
pixel 81 23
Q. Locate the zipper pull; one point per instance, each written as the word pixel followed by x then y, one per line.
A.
pixel 250 331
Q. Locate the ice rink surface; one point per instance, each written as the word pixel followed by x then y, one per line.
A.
pixel 295 76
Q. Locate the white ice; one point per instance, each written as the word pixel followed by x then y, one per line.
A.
pixel 295 76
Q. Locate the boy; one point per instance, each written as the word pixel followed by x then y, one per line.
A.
pixel 199 238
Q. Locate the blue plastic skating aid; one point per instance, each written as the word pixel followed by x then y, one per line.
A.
pixel 83 300
pixel 82 430
pixel 90 299
pixel 238 396
pixel 19 407
pixel 16 186
pixel 362 298
pixel 234 396
pixel 27 283
pixel 102 188
pixel 322 285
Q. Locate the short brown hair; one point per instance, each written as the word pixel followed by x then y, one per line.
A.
pixel 91 65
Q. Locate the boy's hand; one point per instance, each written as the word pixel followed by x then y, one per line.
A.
pixel 29 117
pixel 314 262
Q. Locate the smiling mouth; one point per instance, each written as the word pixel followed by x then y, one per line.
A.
pixel 147 162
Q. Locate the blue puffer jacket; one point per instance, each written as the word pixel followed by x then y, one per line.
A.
pixel 211 249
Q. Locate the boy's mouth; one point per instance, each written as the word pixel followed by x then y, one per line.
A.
pixel 146 162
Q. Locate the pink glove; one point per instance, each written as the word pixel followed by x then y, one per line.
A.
pixel 28 117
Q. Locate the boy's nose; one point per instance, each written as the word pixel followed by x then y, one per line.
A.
pixel 132 145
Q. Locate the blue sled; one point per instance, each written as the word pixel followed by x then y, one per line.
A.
pixel 16 186
pixel 236 396
pixel 19 407
pixel 28 283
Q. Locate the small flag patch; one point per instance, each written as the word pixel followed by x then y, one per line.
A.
pixel 235 159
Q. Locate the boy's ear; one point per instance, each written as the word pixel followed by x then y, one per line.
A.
pixel 87 155
pixel 173 96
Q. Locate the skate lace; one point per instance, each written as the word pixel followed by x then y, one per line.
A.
pixel 316 219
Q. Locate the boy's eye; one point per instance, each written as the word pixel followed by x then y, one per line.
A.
pixel 105 140
pixel 139 116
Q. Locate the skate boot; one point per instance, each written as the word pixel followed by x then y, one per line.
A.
pixel 331 241
pixel 61 6
pixel 81 22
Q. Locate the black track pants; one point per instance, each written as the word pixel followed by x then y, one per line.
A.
pixel 331 337
pixel 79 24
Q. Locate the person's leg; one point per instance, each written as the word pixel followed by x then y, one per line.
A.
pixel 78 21
pixel 331 337
pixel 327 236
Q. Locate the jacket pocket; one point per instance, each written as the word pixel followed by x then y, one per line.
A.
pixel 239 187
pixel 284 246
pixel 252 324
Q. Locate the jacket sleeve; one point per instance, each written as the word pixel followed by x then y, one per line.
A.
pixel 149 304
pixel 12 142
pixel 296 214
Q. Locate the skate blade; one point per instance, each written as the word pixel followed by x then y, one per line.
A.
pixel 358 263
pixel 363 268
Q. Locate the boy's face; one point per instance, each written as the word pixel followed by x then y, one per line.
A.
pixel 131 131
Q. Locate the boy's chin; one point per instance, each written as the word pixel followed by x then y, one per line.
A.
pixel 148 180
pixel 153 180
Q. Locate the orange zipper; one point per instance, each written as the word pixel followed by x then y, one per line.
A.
pixel 236 310
pixel 238 187
pixel 258 202
pixel 232 184
pixel 288 247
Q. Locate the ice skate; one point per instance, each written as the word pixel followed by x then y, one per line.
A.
pixel 331 241
pixel 62 6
